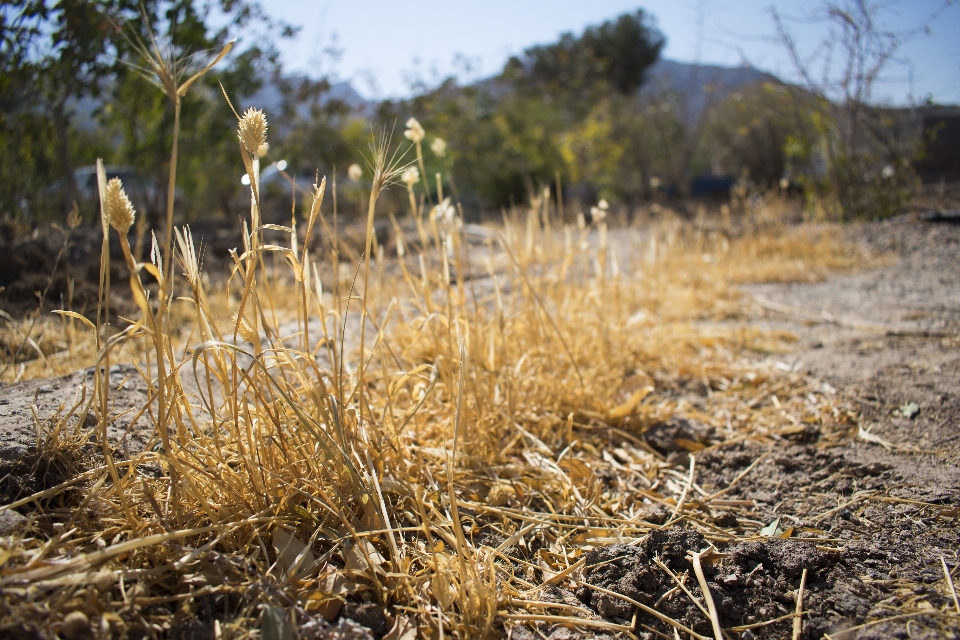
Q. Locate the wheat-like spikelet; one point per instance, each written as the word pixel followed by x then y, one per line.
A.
pixel 246 330
pixel 188 256
pixel 253 130
pixel 117 207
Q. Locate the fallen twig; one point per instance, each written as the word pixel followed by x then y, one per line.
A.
pixel 714 618
pixel 953 589
pixel 798 620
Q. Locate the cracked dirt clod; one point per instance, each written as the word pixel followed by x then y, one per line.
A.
pixel 26 466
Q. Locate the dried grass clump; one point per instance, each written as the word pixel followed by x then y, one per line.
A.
pixel 408 437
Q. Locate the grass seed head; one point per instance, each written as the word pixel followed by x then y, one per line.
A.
pixel 355 172
pixel 414 132
pixel 246 330
pixel 410 177
pixel 253 130
pixel 117 206
pixel 188 256
pixel 439 147
pixel 443 212
pixel 76 625
pixel 73 218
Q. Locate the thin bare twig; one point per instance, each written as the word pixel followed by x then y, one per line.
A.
pixel 798 620
pixel 714 617
pixel 953 589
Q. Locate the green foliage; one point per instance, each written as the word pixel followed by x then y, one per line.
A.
pixel 763 133
pixel 623 144
pixel 58 58
pixel 567 108
pixel 51 53
pixel 614 55
pixel 573 108
pixel 314 134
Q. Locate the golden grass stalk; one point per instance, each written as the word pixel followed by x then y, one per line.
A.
pixel 164 68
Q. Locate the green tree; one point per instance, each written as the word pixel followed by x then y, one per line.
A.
pixel 562 107
pixel 764 132
pixel 614 56
pixel 54 53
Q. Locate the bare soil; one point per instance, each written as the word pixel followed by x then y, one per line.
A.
pixel 35 456
pixel 869 519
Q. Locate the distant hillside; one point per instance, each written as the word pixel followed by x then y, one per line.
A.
pixel 270 96
pixel 700 85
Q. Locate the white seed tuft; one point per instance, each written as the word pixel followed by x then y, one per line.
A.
pixel 410 177
pixel 414 130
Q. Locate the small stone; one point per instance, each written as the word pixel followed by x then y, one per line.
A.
pixel 10 520
pixel 76 625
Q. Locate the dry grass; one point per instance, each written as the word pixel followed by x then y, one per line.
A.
pixel 390 437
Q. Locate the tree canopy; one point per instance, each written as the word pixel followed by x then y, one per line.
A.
pixel 613 55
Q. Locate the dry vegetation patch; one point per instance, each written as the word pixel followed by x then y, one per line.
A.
pixel 541 432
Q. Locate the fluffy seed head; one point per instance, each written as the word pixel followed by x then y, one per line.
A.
pixel 118 207
pixel 355 172
pixel 597 213
pixel 253 130
pixel 414 131
pixel 501 494
pixel 444 212
pixel 439 147
pixel 410 177
pixel 73 218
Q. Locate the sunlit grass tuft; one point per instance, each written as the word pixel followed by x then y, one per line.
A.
pixel 400 435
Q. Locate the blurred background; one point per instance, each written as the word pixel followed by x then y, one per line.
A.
pixel 848 106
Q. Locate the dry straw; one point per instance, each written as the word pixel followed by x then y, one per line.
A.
pixel 407 436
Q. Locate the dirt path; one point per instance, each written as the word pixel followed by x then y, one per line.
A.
pixel 886 340
pixel 887 337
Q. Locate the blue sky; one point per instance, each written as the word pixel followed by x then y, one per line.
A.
pixel 387 46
